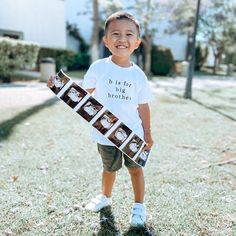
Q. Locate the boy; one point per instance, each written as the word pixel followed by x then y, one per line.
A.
pixel 122 87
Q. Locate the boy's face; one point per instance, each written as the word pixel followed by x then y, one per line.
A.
pixel 121 38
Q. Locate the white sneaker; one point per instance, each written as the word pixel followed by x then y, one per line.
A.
pixel 99 202
pixel 138 215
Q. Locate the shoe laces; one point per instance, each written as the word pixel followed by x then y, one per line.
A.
pixel 138 211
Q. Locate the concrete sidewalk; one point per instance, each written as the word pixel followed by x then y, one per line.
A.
pixel 25 93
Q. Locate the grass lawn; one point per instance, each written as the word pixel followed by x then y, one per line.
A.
pixel 77 74
pixel 49 169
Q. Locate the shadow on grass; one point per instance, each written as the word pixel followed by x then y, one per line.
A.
pixel 107 223
pixel 140 231
pixel 6 127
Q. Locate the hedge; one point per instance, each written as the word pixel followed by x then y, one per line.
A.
pixel 65 58
pixel 15 55
pixel 162 60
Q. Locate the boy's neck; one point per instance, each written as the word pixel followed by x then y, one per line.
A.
pixel 122 62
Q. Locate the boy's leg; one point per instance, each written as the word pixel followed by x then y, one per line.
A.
pixel 112 161
pixel 138 213
pixel 138 184
pixel 108 179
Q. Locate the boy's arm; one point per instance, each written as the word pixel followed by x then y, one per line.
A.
pixel 90 90
pixel 144 114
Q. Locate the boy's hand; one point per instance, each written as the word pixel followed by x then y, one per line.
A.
pixel 148 139
pixel 50 83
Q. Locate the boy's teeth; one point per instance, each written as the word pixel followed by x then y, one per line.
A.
pixel 121 47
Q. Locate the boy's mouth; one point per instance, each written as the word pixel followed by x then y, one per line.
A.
pixel 121 47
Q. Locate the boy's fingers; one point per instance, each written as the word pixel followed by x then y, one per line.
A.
pixel 50 83
pixel 147 146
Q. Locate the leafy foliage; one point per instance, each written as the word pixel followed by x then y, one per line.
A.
pixel 82 59
pixel 230 59
pixel 162 60
pixel 217 24
pixel 62 57
pixel 200 56
pixel 16 54
pixel 73 30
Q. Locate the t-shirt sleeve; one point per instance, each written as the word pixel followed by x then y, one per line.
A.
pixel 144 93
pixel 90 78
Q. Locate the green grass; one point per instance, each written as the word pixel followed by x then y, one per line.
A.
pixel 77 74
pixel 49 169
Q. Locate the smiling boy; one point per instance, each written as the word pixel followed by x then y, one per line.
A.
pixel 122 87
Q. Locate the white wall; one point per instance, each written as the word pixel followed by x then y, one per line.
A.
pixel 176 42
pixel 41 21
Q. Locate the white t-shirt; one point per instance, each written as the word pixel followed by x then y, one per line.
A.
pixel 120 90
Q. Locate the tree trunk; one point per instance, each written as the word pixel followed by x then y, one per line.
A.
pixel 214 67
pixel 147 44
pixel 216 62
pixel 147 51
pixel 95 35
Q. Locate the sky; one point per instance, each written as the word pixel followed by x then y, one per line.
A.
pixel 73 7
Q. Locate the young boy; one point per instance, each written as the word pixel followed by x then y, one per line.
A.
pixel 122 87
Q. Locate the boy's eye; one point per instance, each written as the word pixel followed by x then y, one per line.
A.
pixel 115 33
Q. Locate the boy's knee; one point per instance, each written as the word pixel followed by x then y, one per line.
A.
pixel 108 172
pixel 135 170
pixel 111 157
pixel 111 169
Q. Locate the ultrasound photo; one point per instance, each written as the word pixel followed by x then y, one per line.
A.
pixel 142 157
pixel 73 95
pixel 133 146
pixel 105 122
pixel 90 109
pixel 59 81
pixel 120 134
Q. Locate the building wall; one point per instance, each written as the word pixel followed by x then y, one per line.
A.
pixel 38 21
pixel 176 42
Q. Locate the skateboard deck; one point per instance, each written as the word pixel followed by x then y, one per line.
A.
pixel 97 115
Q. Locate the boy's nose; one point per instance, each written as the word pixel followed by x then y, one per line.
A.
pixel 122 38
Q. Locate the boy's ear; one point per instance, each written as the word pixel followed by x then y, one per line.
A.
pixel 138 43
pixel 104 39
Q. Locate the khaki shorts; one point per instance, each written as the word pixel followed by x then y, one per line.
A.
pixel 112 158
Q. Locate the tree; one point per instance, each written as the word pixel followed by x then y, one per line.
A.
pixel 200 56
pixel 146 11
pixel 101 10
pixel 108 7
pixel 217 24
pixel 95 32
pixel 188 87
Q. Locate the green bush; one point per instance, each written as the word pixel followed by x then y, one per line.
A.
pixel 15 55
pixel 162 60
pixel 200 57
pixel 62 57
pixel 230 59
pixel 65 58
pixel 81 62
